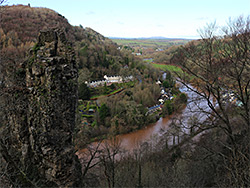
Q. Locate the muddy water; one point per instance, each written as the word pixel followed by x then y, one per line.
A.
pixel 132 140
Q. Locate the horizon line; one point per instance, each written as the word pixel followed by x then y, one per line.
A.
pixel 156 37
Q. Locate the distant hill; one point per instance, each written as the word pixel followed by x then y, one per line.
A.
pixel 97 55
pixel 151 47
pixel 154 42
pixel 149 38
pixel 19 28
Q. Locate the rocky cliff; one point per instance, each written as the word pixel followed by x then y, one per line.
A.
pixel 39 117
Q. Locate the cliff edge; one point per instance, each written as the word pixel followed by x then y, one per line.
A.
pixel 39 117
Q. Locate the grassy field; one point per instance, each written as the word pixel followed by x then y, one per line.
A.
pixel 173 69
pixel 104 95
pixel 150 43
pixel 170 68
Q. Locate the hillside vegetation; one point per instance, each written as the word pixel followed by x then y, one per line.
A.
pixel 219 67
pixel 96 56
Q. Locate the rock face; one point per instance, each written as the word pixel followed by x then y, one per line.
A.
pixel 41 131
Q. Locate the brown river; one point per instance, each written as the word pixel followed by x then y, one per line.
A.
pixel 157 131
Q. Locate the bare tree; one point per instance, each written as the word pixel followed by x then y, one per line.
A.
pixel 220 66
pixel 109 159
pixel 2 1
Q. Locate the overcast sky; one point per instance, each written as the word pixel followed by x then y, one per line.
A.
pixel 145 18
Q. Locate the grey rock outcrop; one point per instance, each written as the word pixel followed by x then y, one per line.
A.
pixel 41 124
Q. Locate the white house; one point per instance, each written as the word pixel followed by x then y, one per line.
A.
pixel 161 101
pixel 109 80
pixel 158 82
pixel 113 79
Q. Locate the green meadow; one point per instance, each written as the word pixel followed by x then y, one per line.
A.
pixel 170 68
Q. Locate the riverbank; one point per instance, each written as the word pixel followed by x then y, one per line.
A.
pixel 129 141
pixel 101 132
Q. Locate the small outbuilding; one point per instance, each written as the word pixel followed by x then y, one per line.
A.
pixel 91 111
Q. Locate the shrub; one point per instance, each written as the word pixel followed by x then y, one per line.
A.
pixel 83 92
pixel 183 98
